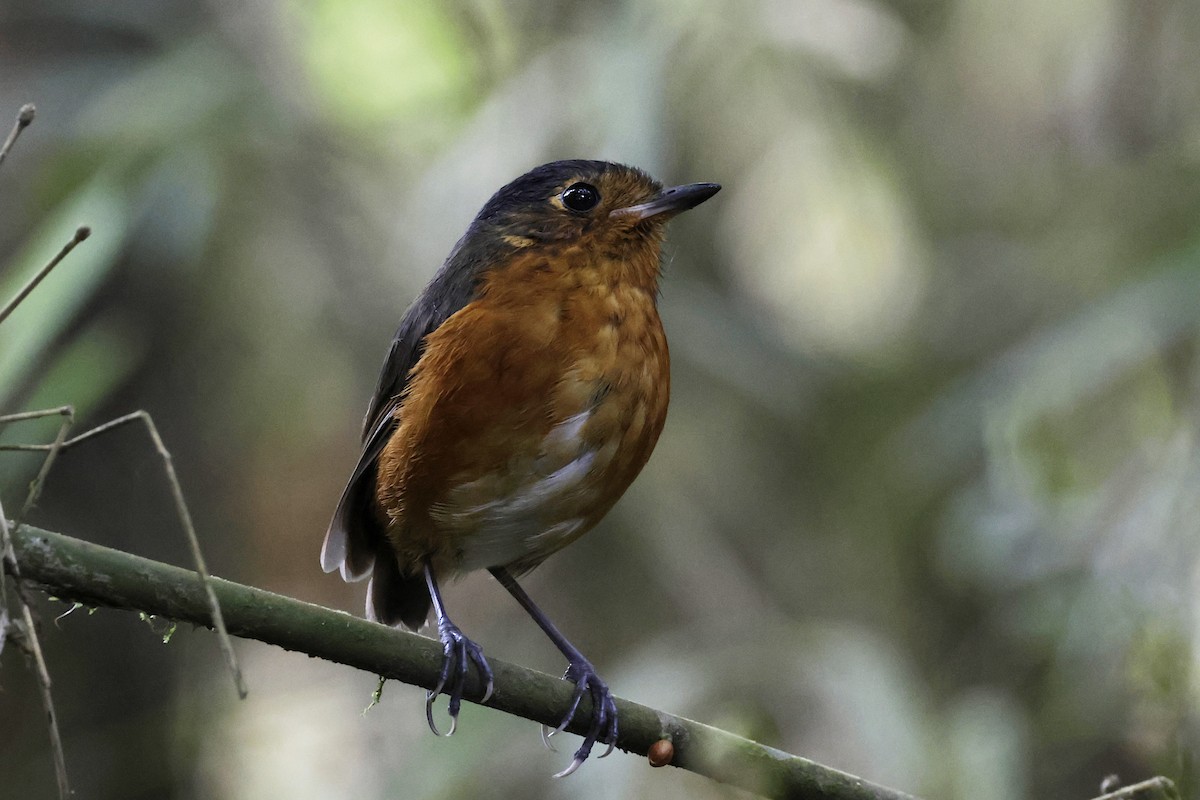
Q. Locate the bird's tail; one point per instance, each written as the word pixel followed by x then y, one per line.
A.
pixel 357 546
pixel 393 597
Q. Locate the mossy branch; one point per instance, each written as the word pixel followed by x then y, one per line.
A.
pixel 99 576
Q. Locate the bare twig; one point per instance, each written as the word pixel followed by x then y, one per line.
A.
pixel 81 233
pixel 76 570
pixel 61 443
pixel 24 633
pixel 35 487
pixel 24 117
pixel 1154 789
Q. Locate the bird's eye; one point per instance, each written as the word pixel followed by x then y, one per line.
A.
pixel 580 197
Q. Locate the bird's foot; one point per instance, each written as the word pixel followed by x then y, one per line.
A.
pixel 604 714
pixel 457 651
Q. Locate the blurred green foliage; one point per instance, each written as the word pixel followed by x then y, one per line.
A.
pixel 926 507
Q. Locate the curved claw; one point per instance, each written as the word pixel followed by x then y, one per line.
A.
pixel 546 734
pixel 457 652
pixel 608 751
pixel 581 686
pixel 603 727
pixel 562 726
pixel 576 763
pixel 612 732
pixel 429 716
pixel 476 654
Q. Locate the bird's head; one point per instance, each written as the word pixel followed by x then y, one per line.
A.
pixel 608 209
pixel 566 200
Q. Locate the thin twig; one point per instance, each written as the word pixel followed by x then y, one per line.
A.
pixel 35 488
pixel 51 450
pixel 41 413
pixel 81 233
pixel 76 570
pixel 194 543
pixel 1159 788
pixel 25 635
pixel 185 518
pixel 24 117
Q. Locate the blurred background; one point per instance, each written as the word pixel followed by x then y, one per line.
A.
pixel 927 505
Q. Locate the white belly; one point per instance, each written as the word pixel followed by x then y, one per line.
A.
pixel 530 508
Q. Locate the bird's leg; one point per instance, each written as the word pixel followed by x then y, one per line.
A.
pixel 580 672
pixel 457 650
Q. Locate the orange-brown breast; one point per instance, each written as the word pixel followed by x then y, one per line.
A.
pixel 530 412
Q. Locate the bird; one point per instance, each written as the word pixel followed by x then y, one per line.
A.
pixel 523 392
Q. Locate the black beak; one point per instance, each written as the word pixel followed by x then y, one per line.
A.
pixel 670 201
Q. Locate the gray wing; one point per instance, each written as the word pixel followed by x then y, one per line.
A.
pixel 355 536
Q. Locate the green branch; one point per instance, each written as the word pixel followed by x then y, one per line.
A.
pixel 99 576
